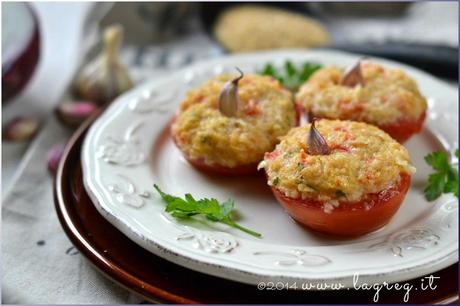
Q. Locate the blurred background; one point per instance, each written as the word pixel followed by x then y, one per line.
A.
pixel 47 45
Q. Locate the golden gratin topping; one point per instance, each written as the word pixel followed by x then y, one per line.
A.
pixel 387 96
pixel 363 159
pixel 266 112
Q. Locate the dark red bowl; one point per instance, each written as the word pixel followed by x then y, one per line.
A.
pixel 20 47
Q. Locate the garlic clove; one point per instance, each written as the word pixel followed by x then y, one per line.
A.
pixel 74 113
pixel 21 129
pixel 229 99
pixel 53 157
pixel 352 76
pixel 104 78
pixel 317 145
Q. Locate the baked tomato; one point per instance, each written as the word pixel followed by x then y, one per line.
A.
pixel 400 131
pixel 247 169
pixel 349 218
pixel 404 129
pixel 200 164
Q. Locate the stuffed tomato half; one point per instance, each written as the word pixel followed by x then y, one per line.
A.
pixel 385 97
pixel 227 124
pixel 337 177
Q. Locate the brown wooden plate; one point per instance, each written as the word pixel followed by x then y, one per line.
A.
pixel 159 280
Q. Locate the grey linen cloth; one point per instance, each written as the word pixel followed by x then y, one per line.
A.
pixel 40 264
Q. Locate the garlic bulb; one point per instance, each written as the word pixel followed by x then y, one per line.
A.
pixel 104 78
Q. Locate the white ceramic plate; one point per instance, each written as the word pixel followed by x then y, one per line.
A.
pixel 128 149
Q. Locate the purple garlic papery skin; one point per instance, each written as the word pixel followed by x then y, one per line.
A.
pixel 74 113
pixel 317 145
pixel 229 98
pixel 352 76
pixel 53 157
pixel 21 129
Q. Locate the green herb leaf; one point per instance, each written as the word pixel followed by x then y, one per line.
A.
pixel 210 208
pixel 307 70
pixel 435 186
pixel 291 71
pixel 290 76
pixel 444 180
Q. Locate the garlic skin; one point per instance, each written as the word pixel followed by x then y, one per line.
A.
pixel 104 78
pixel 21 129
pixel 317 145
pixel 352 76
pixel 74 113
pixel 229 99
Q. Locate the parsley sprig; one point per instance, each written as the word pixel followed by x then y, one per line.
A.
pixel 210 208
pixel 445 179
pixel 290 76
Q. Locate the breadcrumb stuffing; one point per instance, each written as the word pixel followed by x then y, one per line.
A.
pixel 388 96
pixel 363 160
pixel 265 113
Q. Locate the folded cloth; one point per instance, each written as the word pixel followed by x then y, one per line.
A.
pixel 40 264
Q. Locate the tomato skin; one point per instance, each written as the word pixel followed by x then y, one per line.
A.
pixel 350 218
pixel 404 129
pixel 298 113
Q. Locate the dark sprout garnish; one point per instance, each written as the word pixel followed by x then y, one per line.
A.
pixel 229 98
pixel 352 76
pixel 317 145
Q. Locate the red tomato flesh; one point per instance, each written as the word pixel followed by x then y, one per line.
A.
pixel 349 218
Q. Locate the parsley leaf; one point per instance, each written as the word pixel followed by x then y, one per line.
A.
pixel 210 208
pixel 445 179
pixel 290 76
